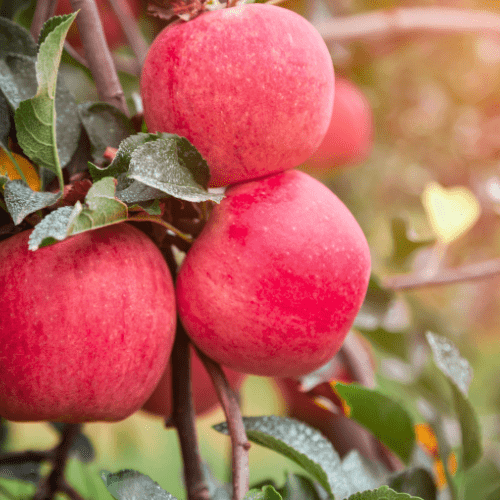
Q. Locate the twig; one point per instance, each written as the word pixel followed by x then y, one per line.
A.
pixel 44 10
pixel 183 416
pixel 126 17
pixel 55 480
pixel 406 20
pixel 98 55
pixel 239 441
pixel 22 457
pixel 478 271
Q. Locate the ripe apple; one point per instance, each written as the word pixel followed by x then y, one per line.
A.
pixel 274 281
pixel 110 22
pixel 251 87
pixel 349 138
pixel 204 395
pixel 87 325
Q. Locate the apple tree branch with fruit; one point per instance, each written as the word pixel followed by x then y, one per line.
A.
pixel 160 245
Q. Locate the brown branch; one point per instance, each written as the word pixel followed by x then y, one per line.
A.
pixel 129 25
pixel 478 271
pixel 44 10
pixel 22 457
pixel 184 417
pixel 98 55
pixel 239 440
pixel 55 480
pixel 383 23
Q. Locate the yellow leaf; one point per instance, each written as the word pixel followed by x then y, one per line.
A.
pixel 7 168
pixel 451 212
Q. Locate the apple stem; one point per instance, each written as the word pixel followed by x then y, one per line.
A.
pixel 183 416
pixel 239 440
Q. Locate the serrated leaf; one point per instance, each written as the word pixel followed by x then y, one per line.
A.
pixel 131 192
pixel 27 471
pixel 416 481
pixel 302 444
pixel 132 485
pixel 266 493
pixel 49 26
pixel 173 166
pixel 53 228
pixel 105 125
pixel 381 415
pixel 459 375
pixel 14 39
pixel 21 200
pixel 382 493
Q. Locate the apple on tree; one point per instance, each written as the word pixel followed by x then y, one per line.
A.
pixel 274 281
pixel 251 87
pixel 204 395
pixel 87 325
pixel 349 138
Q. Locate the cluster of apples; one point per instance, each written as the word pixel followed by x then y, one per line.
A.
pixel 270 287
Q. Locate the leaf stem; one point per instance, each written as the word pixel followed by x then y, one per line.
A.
pixel 151 218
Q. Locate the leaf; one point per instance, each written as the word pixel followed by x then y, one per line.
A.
pixel 451 211
pixel 361 473
pixel 382 493
pixel 266 493
pixel 404 243
pixel 298 487
pixel 17 78
pixel 4 121
pixel 101 208
pixel 25 471
pixel 35 118
pixel 416 481
pixel 132 485
pixel 14 39
pixel 459 375
pixel 21 200
pixel 9 8
pixel 302 444
pixel 381 415
pixel 105 125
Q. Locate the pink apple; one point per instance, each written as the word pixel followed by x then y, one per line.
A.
pixel 250 86
pixel 349 138
pixel 274 281
pixel 86 328
pixel 204 395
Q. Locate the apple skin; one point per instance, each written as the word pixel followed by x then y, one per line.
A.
pixel 109 20
pixel 87 325
pixel 251 87
pixel 274 281
pixel 204 395
pixel 349 138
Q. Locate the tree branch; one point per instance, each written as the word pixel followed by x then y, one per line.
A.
pixel 384 23
pixel 478 271
pixel 97 54
pixel 183 417
pixel 44 10
pixel 239 440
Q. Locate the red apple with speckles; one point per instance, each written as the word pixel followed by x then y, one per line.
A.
pixel 204 395
pixel 87 325
pixel 110 22
pixel 274 281
pixel 251 87
pixel 349 138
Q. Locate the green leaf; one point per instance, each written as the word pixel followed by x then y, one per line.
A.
pixel 132 485
pixel 14 39
pixel 381 415
pixel 360 473
pixel 298 487
pixel 382 493
pixel 21 200
pixel 105 125
pixel 29 472
pixel 266 493
pixel 302 444
pixel 393 343
pixel 404 243
pixel 416 481
pixel 459 375
pixel 36 117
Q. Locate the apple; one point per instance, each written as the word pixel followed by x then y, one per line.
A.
pixel 251 87
pixel 204 395
pixel 274 281
pixel 110 22
pixel 87 325
pixel 349 138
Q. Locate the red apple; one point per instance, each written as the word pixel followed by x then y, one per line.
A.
pixel 274 281
pixel 204 395
pixel 87 325
pixel 250 86
pixel 110 22
pixel 349 138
